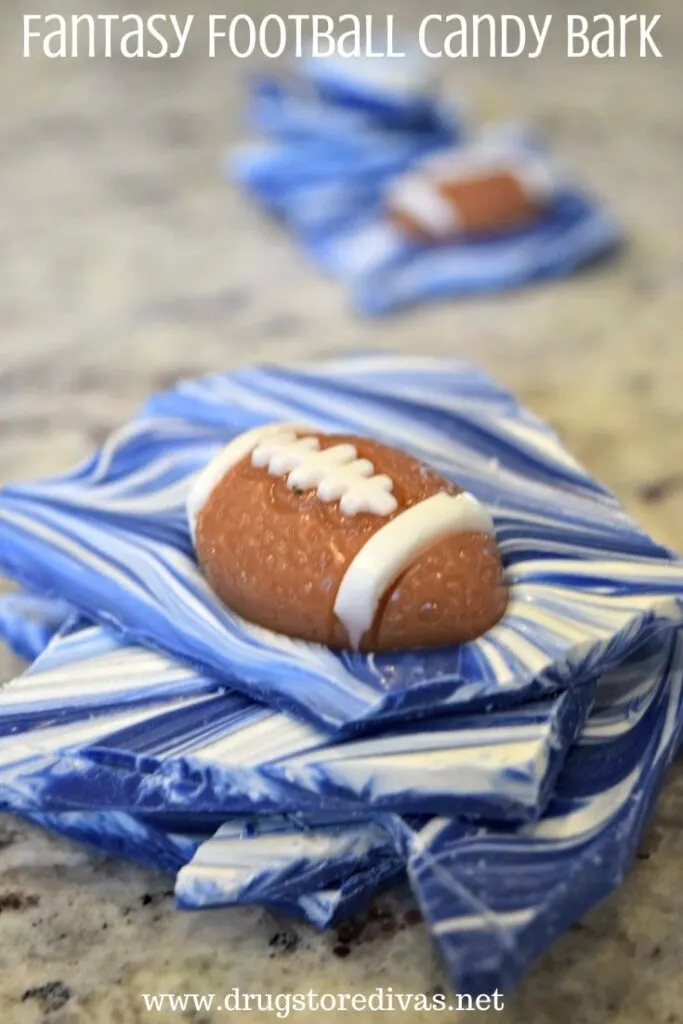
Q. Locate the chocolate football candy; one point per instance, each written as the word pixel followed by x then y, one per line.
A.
pixel 470 193
pixel 344 541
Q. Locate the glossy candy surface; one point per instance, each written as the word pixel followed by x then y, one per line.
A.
pixel 587 586
pixel 594 600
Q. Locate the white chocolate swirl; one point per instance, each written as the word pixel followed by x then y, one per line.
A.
pixel 397 545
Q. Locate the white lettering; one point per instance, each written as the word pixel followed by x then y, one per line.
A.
pixel 607 34
pixel 232 36
pixel 214 34
pixel 349 43
pixel 60 33
pixel 151 28
pixel 541 35
pixel 459 34
pixel 29 34
pixel 577 28
pixel 326 33
pixel 512 21
pixel 391 51
pixel 182 35
pixel 107 20
pixel 477 22
pixel 624 22
pixel 646 37
pixel 298 20
pixel 422 37
pixel 135 35
pixel 369 51
pixel 75 22
pixel 348 35
pixel 263 36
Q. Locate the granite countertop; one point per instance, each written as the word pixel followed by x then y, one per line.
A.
pixel 127 262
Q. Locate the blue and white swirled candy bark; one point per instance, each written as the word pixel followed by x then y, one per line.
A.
pixel 354 861
pixel 282 858
pixel 96 722
pixel 495 897
pixel 280 862
pixel 191 859
pixel 325 162
pixel 121 835
pixel 588 586
pixel 28 623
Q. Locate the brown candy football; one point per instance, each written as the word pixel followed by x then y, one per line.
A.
pixel 344 541
pixel 470 193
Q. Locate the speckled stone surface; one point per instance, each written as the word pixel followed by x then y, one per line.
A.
pixel 127 262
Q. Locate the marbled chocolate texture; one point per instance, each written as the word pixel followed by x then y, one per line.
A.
pixel 277 557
